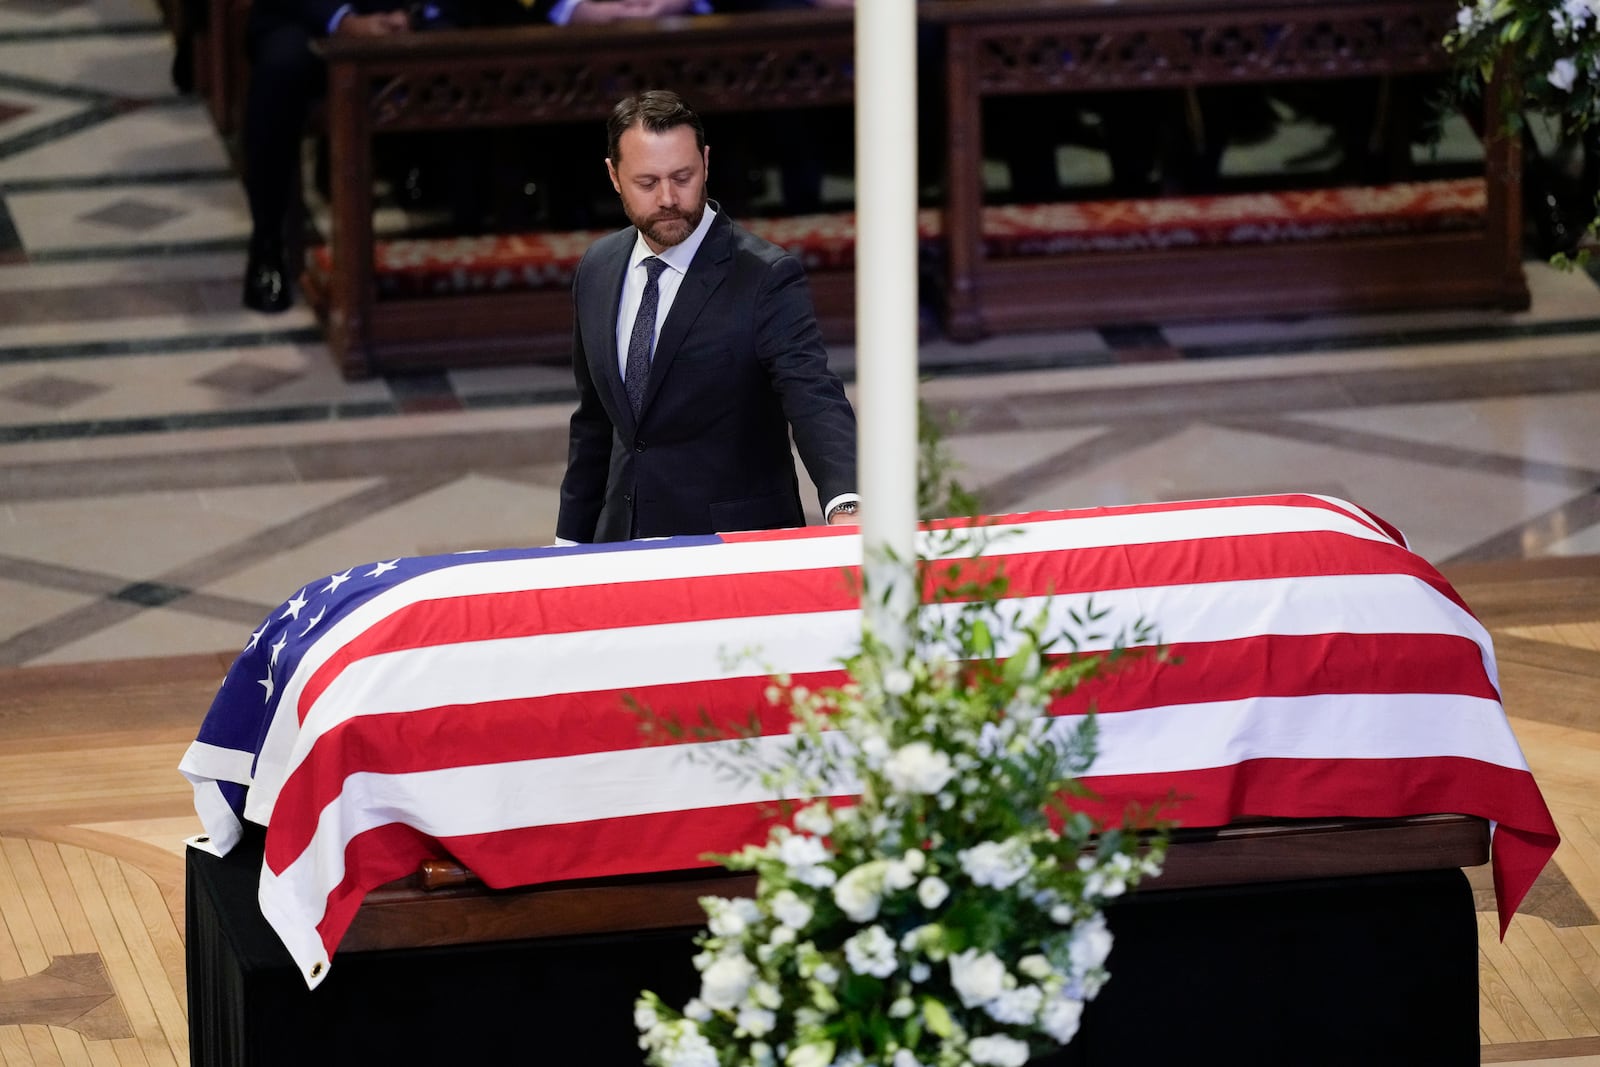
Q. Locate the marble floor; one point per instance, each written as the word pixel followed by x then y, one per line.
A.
pixel 173 466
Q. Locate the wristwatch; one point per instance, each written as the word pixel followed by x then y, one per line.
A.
pixel 849 507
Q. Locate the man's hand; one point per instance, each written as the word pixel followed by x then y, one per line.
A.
pixel 845 518
pixel 378 24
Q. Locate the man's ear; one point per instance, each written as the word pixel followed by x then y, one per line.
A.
pixel 611 169
pixel 706 158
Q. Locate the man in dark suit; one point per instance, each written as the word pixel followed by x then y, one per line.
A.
pixel 696 351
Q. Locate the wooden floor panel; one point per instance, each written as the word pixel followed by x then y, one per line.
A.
pixel 93 814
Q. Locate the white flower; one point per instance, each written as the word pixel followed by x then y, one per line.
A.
pixel 644 1016
pixel 932 891
pixel 816 1054
pixel 900 874
pixel 815 819
pixel 918 768
pixel 920 972
pixel 1090 944
pixel 1000 864
pixel 724 983
pixel 860 892
pixel 790 910
pixel 997 1050
pixel 805 856
pixel 1035 966
pixel 871 952
pixel 897 681
pixel 826 973
pixel 1016 1006
pixel 681 1044
pixel 1563 74
pixel 729 918
pixel 902 1008
pixel 782 935
pixel 1060 1018
pixel 905 1058
pixel 757 1022
pixel 977 976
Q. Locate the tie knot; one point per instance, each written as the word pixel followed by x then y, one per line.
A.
pixel 654 267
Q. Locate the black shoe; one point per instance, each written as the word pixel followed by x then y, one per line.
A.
pixel 266 283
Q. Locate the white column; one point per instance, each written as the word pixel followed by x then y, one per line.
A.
pixel 886 300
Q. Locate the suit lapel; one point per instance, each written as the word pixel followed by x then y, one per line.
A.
pixel 600 324
pixel 705 274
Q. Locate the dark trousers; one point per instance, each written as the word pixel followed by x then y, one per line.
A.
pixel 286 78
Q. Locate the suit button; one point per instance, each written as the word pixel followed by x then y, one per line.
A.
pixel 638 446
pixel 627 498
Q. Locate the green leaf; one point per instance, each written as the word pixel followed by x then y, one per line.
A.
pixel 937 1016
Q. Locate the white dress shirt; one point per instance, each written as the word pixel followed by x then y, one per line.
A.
pixel 677 258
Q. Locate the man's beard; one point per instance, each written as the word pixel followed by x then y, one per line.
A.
pixel 668 229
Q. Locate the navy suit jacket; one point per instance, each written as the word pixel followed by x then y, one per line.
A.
pixel 739 362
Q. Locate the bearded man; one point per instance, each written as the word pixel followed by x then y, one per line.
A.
pixel 696 352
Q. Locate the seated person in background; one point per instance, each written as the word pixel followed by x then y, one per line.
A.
pixel 286 77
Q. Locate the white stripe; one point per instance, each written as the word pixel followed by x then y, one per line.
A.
pixel 204 760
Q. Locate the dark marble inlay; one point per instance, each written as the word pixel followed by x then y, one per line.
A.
pixel 149 594
pixel 147 251
pixel 200 420
pixel 133 215
pixel 12 111
pixel 63 33
pixel 247 379
pixel 141 346
pixel 100 111
pixel 114 179
pixel 52 391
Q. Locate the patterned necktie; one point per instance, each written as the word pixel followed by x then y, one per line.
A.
pixel 642 340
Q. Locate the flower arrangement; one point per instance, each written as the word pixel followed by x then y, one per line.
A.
pixel 1551 51
pixel 949 912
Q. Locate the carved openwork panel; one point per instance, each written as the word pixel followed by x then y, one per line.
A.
pixel 1210 50
pixel 515 90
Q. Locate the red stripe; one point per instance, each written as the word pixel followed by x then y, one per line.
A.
pixel 1345 788
pixel 526 613
pixel 601 721
pixel 372 858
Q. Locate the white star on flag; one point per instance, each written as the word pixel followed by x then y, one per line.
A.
pixel 292 609
pixel 255 638
pixel 312 625
pixel 267 684
pixel 335 581
pixel 383 568
pixel 283 641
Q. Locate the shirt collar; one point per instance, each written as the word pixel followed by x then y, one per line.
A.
pixel 680 255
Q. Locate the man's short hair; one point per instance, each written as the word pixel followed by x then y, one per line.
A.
pixel 656 110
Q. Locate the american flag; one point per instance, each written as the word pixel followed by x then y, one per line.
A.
pixel 475 705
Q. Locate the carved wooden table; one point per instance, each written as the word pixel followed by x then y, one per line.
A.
pixel 1015 47
pixel 528 76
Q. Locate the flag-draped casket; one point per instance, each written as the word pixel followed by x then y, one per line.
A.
pixel 484 706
